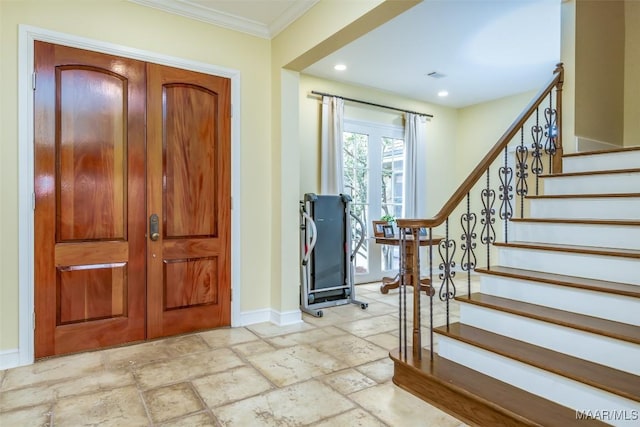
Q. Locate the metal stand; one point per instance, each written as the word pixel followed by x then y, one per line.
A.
pixel 326 267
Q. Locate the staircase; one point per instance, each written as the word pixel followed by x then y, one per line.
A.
pixel 553 337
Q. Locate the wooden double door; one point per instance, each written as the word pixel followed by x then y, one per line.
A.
pixel 132 203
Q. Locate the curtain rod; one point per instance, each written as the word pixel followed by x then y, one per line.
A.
pixel 371 103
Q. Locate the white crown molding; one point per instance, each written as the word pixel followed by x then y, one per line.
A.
pixel 226 20
pixel 221 19
pixel 294 12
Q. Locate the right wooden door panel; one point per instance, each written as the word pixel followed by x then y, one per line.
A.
pixel 188 177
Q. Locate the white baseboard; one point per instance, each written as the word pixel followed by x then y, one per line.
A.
pixel 586 144
pixel 255 316
pixel 270 315
pixel 9 358
pixel 286 317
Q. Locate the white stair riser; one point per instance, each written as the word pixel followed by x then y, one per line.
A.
pixel 587 208
pixel 557 388
pixel 600 162
pixel 593 184
pixel 595 235
pixel 613 269
pixel 606 351
pixel 618 308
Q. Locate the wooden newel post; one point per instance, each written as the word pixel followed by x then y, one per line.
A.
pixel 557 159
pixel 415 279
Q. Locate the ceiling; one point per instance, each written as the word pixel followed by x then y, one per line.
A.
pixel 486 49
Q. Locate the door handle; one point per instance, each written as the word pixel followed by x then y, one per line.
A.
pixel 154 233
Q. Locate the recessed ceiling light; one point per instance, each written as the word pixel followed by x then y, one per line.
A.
pixel 443 93
pixel 340 67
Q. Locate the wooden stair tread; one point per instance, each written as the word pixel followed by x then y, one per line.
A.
pixel 562 280
pixel 621 222
pixel 595 325
pixel 590 250
pixel 614 150
pixel 477 398
pixel 603 377
pixel 589 173
pixel 584 196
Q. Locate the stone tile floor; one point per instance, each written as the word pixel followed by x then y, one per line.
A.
pixel 329 371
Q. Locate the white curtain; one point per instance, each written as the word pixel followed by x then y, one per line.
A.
pixel 414 137
pixel 331 174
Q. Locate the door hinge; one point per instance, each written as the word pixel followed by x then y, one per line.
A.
pixel 231 203
pixel 34 320
pixel 33 201
pixel 33 81
pixel 230 294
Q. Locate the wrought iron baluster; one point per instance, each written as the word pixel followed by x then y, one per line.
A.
pixel 400 350
pixel 522 188
pixel 447 249
pixel 468 244
pixel 506 190
pixel 402 295
pixel 551 130
pixel 536 162
pixel 415 278
pixel 430 292
pixel 488 234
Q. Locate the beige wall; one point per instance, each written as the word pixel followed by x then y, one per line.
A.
pixel 480 126
pixel 599 76
pixel 127 24
pixel 273 160
pixel 269 149
pixel 328 26
pixel 318 24
pixel 632 74
pixel 567 56
pixel 440 133
pixel 601 93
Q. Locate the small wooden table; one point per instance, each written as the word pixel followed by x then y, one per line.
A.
pixel 394 282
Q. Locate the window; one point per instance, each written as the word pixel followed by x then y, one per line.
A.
pixel 373 176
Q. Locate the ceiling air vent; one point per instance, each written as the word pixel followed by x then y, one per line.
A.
pixel 436 75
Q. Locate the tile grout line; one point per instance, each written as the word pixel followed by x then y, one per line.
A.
pixel 348 396
pixel 173 350
pixel 144 405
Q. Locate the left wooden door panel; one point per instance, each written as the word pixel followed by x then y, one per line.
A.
pixel 90 219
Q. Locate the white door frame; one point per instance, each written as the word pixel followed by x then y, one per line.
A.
pixel 374 131
pixel 26 197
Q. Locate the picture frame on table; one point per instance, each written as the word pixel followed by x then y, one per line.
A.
pixel 388 230
pixel 378 228
pixel 423 231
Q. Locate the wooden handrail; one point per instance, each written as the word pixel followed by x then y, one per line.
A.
pixel 490 157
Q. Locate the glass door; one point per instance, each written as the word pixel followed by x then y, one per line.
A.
pixel 373 176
